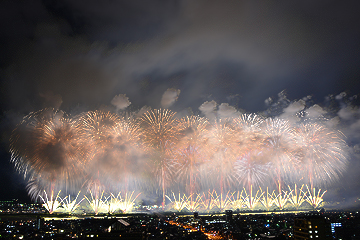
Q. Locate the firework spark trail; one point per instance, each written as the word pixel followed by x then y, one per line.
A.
pixel 250 200
pixel 267 199
pixel 51 204
pixel 209 201
pixel 297 196
pixel 160 130
pixel 281 198
pixel 221 201
pixel 179 203
pixel 191 153
pixel 71 206
pixel 99 203
pixel 128 202
pixel 238 202
pixel 35 187
pixel 193 204
pixel 314 199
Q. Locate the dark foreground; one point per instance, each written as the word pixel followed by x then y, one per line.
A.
pixel 228 225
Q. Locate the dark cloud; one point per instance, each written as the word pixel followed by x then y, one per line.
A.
pixel 115 21
pixel 238 47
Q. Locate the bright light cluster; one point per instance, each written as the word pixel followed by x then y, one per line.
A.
pixel 248 200
pixel 121 203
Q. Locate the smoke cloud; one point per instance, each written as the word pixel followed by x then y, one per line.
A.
pixel 169 97
pixel 208 109
pixel 120 102
pixel 226 111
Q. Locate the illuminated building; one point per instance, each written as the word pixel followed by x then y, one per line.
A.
pixel 312 226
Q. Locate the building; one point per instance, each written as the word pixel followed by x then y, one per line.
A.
pixel 229 215
pixel 311 226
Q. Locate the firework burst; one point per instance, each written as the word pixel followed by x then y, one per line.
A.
pixel 279 147
pixel 160 130
pixel 281 198
pixel 51 203
pixel 221 201
pixel 248 132
pixel 128 201
pixel 250 169
pixel 179 203
pixel 250 200
pixel 98 203
pixel 47 146
pixel 313 198
pixel 70 206
pixel 193 204
pixel 158 127
pixel 238 201
pixel 222 144
pixel 98 128
pixel 267 199
pixel 297 196
pixel 208 201
pixel 191 152
pixel 322 153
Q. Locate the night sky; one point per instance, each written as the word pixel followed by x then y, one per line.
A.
pixel 257 56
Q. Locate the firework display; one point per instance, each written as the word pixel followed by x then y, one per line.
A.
pixel 101 152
